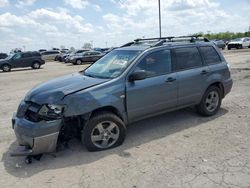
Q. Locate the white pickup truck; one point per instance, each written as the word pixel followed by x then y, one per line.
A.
pixel 239 43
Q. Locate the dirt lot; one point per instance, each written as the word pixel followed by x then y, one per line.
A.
pixel 178 149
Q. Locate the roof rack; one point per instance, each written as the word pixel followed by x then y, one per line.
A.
pixel 160 41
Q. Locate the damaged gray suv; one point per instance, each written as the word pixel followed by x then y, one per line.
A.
pixel 141 79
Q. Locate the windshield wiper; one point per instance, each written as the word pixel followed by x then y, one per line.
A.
pixel 95 76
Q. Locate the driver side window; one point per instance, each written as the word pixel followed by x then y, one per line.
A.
pixel 156 63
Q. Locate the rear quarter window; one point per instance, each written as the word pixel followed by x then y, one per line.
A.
pixel 36 54
pixel 188 58
pixel 210 55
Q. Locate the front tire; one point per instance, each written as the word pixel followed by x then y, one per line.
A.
pixel 78 62
pixel 105 130
pixel 211 102
pixel 6 68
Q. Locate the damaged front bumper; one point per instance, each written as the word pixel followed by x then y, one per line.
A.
pixel 37 137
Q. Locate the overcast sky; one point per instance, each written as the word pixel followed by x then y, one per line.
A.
pixel 39 24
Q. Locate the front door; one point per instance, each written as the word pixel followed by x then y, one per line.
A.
pixel 16 61
pixel 155 94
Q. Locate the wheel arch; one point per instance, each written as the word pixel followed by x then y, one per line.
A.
pixel 5 64
pixel 219 85
pixel 111 109
pixel 36 61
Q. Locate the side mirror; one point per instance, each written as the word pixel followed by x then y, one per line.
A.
pixel 138 75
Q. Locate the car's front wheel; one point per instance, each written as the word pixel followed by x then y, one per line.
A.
pixel 105 130
pixel 6 68
pixel 78 62
pixel 211 101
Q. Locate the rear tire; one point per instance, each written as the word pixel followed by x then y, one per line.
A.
pixel 104 130
pixel 6 68
pixel 210 102
pixel 36 65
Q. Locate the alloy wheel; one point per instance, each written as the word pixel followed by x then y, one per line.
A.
pixel 212 101
pixel 105 134
pixel 6 68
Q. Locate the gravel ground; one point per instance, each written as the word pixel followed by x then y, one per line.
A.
pixel 178 149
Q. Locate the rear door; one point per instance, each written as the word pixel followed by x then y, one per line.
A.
pixel 215 63
pixel 87 57
pixel 26 59
pixel 95 56
pixel 191 75
pixel 155 94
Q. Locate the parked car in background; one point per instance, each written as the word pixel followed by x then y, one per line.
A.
pixel 219 43
pixel 3 55
pixel 42 50
pixel 101 49
pixel 67 58
pixel 50 55
pixel 65 49
pixel 239 43
pixel 56 49
pixel 89 56
pixel 146 78
pixel 22 59
pixel 59 57
pixel 109 50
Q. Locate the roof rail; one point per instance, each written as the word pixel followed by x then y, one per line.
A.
pixel 160 41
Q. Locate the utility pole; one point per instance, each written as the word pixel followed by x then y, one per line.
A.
pixel 159 4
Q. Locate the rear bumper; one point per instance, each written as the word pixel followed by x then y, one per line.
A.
pixel 37 137
pixel 228 86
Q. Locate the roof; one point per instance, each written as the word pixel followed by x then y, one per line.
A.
pixel 143 44
pixel 134 48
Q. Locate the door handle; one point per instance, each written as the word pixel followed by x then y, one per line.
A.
pixel 204 72
pixel 170 79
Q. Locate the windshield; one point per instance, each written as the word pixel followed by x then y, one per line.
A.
pixel 112 64
pixel 10 56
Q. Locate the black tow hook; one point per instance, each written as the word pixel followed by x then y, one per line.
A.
pixel 28 159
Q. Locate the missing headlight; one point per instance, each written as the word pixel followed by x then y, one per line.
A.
pixel 51 111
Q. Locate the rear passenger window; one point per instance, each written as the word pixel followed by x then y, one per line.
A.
pixel 26 55
pixel 156 63
pixel 188 58
pixel 35 54
pixel 210 55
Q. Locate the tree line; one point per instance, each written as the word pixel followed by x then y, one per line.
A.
pixel 224 35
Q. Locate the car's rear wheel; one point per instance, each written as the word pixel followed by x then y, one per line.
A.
pixel 6 68
pixel 211 102
pixel 36 65
pixel 239 46
pixel 78 62
pixel 104 131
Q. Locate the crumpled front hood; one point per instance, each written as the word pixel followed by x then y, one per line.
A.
pixel 52 91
